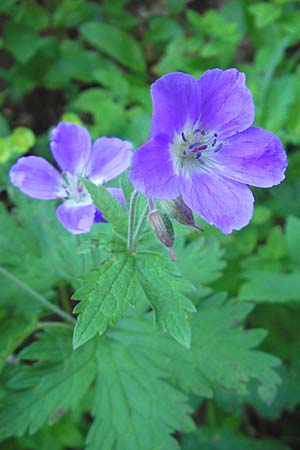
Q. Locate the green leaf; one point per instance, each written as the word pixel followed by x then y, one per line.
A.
pixel 271 287
pixel 115 43
pixel 109 206
pixel 14 329
pixel 293 239
pixel 265 13
pixel 225 439
pixel 135 408
pixel 121 281
pixel 22 49
pixel 105 294
pixel 163 287
pixel 200 261
pixel 57 381
pixel 137 402
pixel 141 373
pixel 222 352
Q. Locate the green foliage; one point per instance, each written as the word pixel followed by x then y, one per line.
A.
pixel 225 439
pixel 59 378
pixel 128 362
pixel 280 252
pixel 114 42
pixel 91 63
pixel 118 282
pixel 16 144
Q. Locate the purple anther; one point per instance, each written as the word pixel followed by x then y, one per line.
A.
pixel 202 133
pixel 194 145
pixel 218 148
pixel 202 147
pixel 183 137
pixel 184 153
pixel 197 131
pixel 215 135
pixel 214 142
pixel 198 156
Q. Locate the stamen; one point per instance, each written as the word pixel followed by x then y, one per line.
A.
pixel 214 142
pixel 202 133
pixel 197 131
pixel 215 135
pixel 202 147
pixel 198 156
pixel 218 148
pixel 183 137
pixel 194 145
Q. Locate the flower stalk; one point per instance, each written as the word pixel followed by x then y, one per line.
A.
pixel 131 220
pixel 38 297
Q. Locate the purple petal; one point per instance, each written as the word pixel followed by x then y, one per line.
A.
pixel 37 178
pixel 176 100
pixel 152 170
pixel 227 104
pixel 254 156
pixel 76 219
pixel 71 146
pixel 109 158
pixel 119 195
pixel 224 203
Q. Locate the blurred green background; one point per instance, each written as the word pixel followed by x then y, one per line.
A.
pixel 92 63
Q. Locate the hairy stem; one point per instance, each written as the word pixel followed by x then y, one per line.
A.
pixel 38 297
pixel 131 220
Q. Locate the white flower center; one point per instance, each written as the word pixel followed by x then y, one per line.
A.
pixel 193 150
pixel 75 191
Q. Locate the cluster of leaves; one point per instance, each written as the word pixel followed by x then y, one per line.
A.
pixel 130 383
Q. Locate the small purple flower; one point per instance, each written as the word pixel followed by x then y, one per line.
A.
pixel 204 148
pixel 77 157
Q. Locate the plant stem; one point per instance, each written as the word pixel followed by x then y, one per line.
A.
pixel 131 219
pixel 38 297
pixel 140 226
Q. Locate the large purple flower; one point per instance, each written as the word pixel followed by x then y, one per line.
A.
pixel 204 148
pixel 74 152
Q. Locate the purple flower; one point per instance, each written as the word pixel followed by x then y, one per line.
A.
pixel 77 157
pixel 204 148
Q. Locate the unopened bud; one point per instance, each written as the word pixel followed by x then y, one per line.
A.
pixel 162 227
pixel 179 211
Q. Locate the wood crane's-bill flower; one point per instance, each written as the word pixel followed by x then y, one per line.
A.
pixel 78 158
pixel 204 148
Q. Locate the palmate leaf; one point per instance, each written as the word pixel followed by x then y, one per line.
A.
pixel 222 352
pixel 136 408
pixel 125 279
pixel 57 381
pixel 141 375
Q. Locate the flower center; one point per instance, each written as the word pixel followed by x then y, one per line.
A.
pixel 75 190
pixel 193 148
